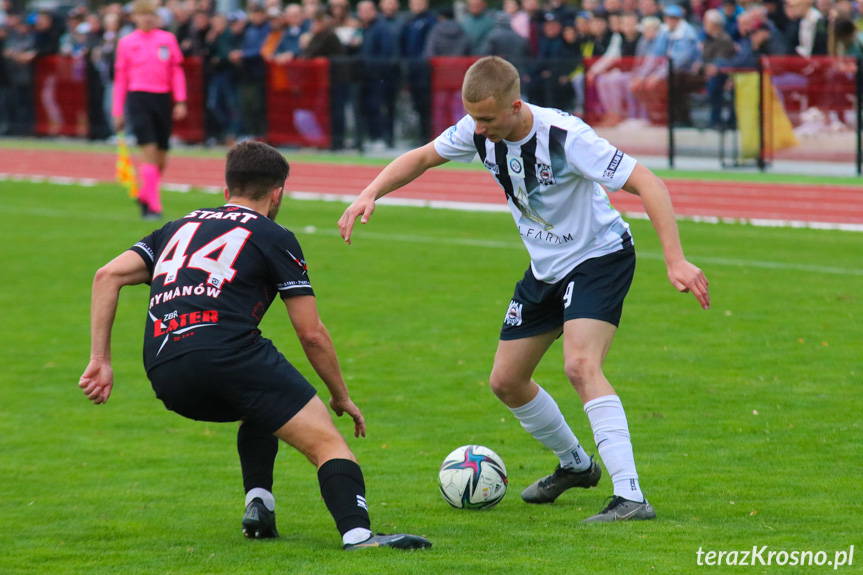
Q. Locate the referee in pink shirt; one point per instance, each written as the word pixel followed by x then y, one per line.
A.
pixel 149 74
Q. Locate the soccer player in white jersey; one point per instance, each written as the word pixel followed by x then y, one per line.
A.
pixel 553 168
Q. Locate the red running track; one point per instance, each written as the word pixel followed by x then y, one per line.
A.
pixel 810 203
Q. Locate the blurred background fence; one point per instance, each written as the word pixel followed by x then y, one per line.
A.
pixel 787 108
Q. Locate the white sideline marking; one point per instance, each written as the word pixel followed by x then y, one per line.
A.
pixel 641 254
pixel 480 207
pixel 463 206
pixel 492 244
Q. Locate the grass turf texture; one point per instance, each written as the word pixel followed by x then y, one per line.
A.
pixel 414 307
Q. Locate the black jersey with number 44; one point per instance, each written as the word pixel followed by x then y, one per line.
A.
pixel 214 273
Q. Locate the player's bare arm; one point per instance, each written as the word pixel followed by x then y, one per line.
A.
pixel 400 172
pixel 126 269
pixel 654 195
pixel 321 353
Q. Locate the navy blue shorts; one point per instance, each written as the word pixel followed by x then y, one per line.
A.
pixel 254 383
pixel 151 117
pixel 595 289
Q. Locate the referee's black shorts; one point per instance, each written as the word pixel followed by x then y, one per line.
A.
pixel 594 289
pixel 151 116
pixel 254 383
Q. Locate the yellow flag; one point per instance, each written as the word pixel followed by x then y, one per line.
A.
pixel 125 170
pixel 778 131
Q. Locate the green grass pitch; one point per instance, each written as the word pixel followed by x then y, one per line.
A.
pixel 745 419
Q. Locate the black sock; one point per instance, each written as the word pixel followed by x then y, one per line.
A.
pixel 344 492
pixel 257 449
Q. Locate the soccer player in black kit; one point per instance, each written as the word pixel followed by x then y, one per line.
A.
pixel 213 274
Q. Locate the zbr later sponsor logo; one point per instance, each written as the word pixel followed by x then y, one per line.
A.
pixel 174 321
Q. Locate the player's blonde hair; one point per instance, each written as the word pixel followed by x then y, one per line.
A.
pixel 144 7
pixel 491 77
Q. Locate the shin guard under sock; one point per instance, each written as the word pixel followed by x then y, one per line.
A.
pixel 344 493
pixel 257 449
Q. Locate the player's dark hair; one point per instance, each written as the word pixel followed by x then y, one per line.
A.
pixel 254 169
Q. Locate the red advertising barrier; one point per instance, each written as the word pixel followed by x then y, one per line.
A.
pixel 608 92
pixel 191 129
pixel 631 87
pixel 447 74
pixel 818 94
pixel 298 103
pixel 61 98
pixel 814 88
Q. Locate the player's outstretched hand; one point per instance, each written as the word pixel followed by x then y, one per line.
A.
pixel 97 381
pixel 688 278
pixel 341 407
pixel 361 208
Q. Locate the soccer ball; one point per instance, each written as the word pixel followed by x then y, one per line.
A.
pixel 472 477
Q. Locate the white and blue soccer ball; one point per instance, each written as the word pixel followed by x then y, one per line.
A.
pixel 472 477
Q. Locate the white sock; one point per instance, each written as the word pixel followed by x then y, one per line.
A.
pixel 541 417
pixel 264 495
pixel 611 433
pixel 356 535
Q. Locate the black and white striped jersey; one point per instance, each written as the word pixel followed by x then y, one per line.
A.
pixel 554 181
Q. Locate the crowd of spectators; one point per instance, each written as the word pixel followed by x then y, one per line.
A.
pixel 550 43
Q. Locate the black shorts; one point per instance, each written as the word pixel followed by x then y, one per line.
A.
pixel 151 116
pixel 595 289
pixel 255 384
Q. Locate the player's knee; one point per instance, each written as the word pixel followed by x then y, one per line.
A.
pixel 581 370
pixel 499 384
pixel 506 388
pixel 328 446
pixel 312 432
